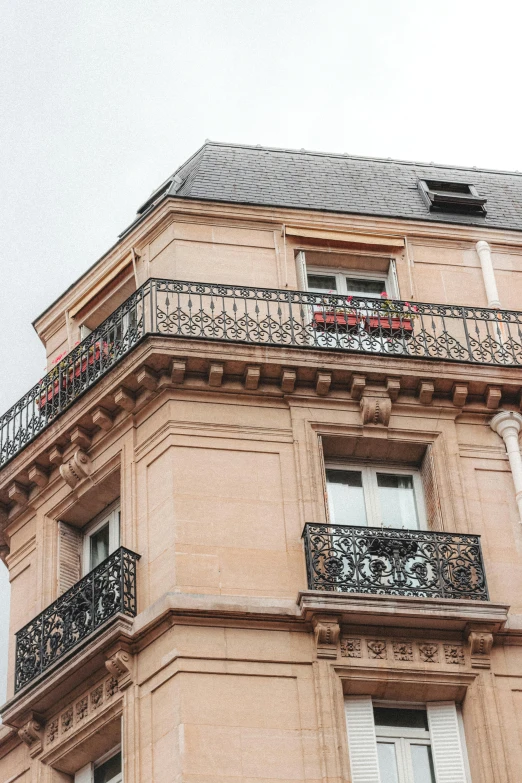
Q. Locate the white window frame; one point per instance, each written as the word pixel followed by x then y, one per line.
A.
pixel 340 274
pixel 110 515
pixel 448 747
pixel 86 773
pixel 402 738
pixel 369 473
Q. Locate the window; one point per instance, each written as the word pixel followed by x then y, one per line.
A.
pixel 105 770
pixel 405 743
pixel 455 197
pixel 375 496
pixel 101 538
pixel 109 771
pixel 364 285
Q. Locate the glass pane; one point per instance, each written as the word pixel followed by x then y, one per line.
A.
pixel 322 283
pixel 346 497
pixel 387 762
pixel 422 764
pixel 109 771
pixel 397 500
pixel 99 548
pixel 373 289
pixel 404 719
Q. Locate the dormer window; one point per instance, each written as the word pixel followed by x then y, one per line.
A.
pixel 452 197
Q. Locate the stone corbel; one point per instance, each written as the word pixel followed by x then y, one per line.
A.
pixel 31 733
pixel 376 410
pixel 120 664
pixel 480 641
pixel 77 468
pixel 327 631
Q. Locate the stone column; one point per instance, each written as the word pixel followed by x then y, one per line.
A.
pixel 508 424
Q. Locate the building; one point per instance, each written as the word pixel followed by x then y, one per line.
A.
pixel 263 523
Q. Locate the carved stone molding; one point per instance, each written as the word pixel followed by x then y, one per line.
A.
pixel 77 468
pixel 480 645
pixel 327 632
pixel 31 733
pixel 376 410
pixel 120 666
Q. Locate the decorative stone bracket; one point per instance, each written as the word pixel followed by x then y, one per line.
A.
pixel 31 733
pixel 480 641
pixel 77 468
pixel 120 664
pixel 327 633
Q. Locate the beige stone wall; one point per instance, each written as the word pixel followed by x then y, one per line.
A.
pixel 216 485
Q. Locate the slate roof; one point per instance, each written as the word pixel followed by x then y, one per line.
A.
pixel 335 183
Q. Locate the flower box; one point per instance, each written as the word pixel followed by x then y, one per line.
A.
pixel 95 352
pixel 48 400
pixel 393 325
pixel 336 321
pixel 44 403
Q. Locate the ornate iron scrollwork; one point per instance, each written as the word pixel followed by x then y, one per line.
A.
pixel 384 561
pixel 263 316
pixel 107 590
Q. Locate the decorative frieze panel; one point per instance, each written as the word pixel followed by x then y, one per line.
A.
pixel 406 651
pixel 76 715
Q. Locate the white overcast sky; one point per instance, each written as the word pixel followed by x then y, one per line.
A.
pixel 100 101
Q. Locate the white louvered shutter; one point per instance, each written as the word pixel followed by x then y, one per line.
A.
pixel 362 745
pixel 393 281
pixel 446 746
pixel 69 556
pixel 302 279
pixel 85 774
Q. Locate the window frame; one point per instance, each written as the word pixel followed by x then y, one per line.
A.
pixel 369 471
pixel 110 515
pixel 389 278
pixel 402 738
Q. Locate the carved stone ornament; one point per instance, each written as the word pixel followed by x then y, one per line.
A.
pixel 454 653
pixel 351 648
pixel 31 734
pixel 402 651
pixel 120 666
pixel 377 649
pixel 480 644
pixel 327 632
pixel 376 410
pixel 76 468
pixel 429 652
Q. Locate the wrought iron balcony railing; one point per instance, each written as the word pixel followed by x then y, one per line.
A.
pixel 385 561
pixel 109 589
pixel 262 316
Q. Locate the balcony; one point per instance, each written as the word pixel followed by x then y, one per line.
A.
pixel 384 561
pixel 267 317
pixel 108 590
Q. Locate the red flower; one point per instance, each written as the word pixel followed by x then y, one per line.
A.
pixel 384 295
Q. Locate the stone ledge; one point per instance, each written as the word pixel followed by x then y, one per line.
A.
pixel 403 611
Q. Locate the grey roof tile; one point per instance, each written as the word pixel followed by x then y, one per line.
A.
pixel 339 183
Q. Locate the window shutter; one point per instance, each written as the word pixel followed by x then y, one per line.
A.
pixel 69 561
pixel 445 742
pixel 362 745
pixel 302 280
pixel 393 281
pixel 85 774
pixel 431 494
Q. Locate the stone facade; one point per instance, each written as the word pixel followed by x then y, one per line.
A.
pixel 232 668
